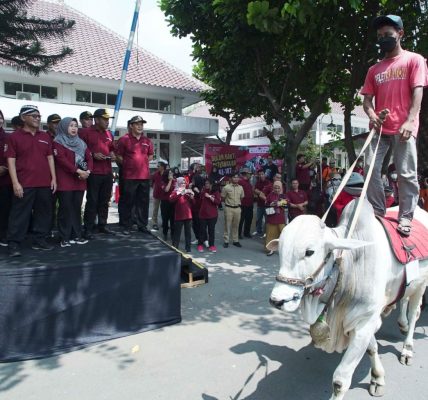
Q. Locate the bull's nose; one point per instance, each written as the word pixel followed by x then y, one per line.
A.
pixel 276 303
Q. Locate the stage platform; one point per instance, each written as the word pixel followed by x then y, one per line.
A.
pixel 61 300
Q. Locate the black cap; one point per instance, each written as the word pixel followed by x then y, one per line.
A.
pixel 102 113
pixel 54 118
pixel 86 115
pixel 136 119
pixel 389 20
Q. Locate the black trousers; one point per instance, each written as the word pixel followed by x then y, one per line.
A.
pixel 36 205
pixel 196 226
pixel 178 225
pixel 6 195
pixel 136 195
pixel 97 200
pixel 69 214
pixel 207 224
pixel 168 215
pixel 246 220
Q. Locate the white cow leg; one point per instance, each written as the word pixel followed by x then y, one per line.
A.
pixel 377 381
pixel 413 315
pixel 358 344
pixel 403 322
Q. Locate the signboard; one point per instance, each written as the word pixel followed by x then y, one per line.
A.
pixel 231 159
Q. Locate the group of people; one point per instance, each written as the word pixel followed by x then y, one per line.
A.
pixel 44 172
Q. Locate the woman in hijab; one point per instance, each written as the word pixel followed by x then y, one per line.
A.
pixel 73 163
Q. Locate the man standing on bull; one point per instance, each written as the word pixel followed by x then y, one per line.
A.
pixel 396 83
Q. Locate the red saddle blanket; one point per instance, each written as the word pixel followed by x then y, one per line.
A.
pixel 406 249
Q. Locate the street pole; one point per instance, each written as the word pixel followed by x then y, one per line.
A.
pixel 320 148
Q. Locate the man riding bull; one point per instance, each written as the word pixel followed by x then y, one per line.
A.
pixel 396 83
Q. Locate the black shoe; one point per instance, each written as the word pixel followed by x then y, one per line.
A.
pixel 3 243
pixel 78 241
pixel 14 251
pixel 89 236
pixel 237 244
pixel 41 245
pixel 106 231
pixel 65 243
pixel 155 227
pixel 143 229
pixel 247 235
pixel 225 245
pixel 126 232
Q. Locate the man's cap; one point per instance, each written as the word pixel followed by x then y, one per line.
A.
pixel 136 119
pixel 28 109
pixel 102 113
pixel 86 115
pixel 393 20
pixel 54 118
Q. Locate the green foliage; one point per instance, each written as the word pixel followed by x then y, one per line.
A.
pixel 22 37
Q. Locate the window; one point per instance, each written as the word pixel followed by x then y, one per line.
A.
pixel 111 99
pixel 164 105
pixel 98 97
pixel 138 102
pixel 83 96
pixel 152 104
pixel 46 92
pixel 11 88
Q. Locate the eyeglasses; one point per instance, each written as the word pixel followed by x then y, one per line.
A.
pixel 35 116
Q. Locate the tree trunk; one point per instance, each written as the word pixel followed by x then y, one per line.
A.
pixel 290 154
pixel 423 136
pixel 349 142
pixel 229 133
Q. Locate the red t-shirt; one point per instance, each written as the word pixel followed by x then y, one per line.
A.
pixel 4 179
pixel 157 185
pixel 183 205
pixel 261 185
pixel 65 166
pixel 135 153
pixel 341 202
pixel 165 195
pixel 248 198
pixel 279 216
pixel 302 174
pixel 298 197
pixel 209 208
pixel 391 81
pixel 99 142
pixel 31 153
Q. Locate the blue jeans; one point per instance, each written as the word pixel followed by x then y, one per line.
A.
pixel 261 213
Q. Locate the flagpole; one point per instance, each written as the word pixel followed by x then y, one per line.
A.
pixel 125 66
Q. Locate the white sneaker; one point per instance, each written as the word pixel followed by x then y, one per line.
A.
pixel 206 244
pixel 195 241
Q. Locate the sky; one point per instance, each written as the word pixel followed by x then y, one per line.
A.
pixel 153 33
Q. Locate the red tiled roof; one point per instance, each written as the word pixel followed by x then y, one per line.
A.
pixel 98 52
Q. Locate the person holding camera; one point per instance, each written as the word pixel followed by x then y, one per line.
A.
pixel 303 172
pixel 100 183
pixel 182 198
pixel 73 164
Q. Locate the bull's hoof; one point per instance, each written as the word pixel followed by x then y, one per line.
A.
pixel 337 388
pixel 406 359
pixel 376 390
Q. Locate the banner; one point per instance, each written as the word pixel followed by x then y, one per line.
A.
pixel 231 159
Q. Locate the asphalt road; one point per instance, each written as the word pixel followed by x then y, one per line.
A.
pixel 231 345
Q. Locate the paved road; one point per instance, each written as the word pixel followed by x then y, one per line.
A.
pixel 230 345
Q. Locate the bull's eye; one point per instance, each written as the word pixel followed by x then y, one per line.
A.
pixel 309 253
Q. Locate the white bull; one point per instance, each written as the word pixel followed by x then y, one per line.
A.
pixel 357 289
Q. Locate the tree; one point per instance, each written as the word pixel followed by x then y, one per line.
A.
pixel 21 37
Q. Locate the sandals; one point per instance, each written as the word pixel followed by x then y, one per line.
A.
pixel 404 226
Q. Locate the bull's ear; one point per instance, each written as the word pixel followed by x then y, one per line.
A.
pixel 346 244
pixel 273 245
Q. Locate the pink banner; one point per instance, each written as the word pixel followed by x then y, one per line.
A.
pixel 231 159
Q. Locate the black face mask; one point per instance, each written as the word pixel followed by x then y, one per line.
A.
pixel 387 44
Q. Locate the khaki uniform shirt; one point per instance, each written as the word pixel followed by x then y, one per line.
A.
pixel 232 194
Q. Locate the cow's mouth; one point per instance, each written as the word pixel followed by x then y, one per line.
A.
pixel 289 305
